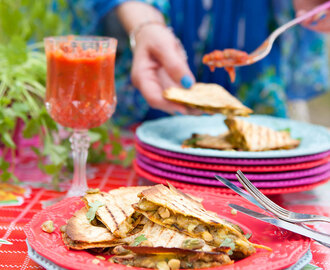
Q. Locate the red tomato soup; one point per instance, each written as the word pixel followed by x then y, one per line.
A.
pixel 80 88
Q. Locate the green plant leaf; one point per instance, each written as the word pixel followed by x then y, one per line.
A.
pixel 7 140
pixel 248 235
pixel 94 136
pixel 228 242
pixel 116 148
pixel 138 240
pixel 51 169
pixel 31 129
pixel 90 215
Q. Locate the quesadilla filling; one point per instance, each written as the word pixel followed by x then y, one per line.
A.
pixel 173 261
pixel 215 235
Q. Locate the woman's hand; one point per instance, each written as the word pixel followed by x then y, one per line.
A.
pixel 159 62
pixel 320 22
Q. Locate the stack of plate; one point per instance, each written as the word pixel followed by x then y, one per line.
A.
pixel 161 157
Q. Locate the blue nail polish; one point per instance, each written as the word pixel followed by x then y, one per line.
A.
pixel 315 22
pixel 186 81
pixel 177 113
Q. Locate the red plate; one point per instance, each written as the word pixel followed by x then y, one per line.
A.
pixel 217 190
pixel 287 247
pixel 232 168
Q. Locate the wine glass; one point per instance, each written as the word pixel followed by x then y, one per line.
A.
pixel 80 92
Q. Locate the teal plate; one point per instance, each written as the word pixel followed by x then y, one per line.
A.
pixel 168 133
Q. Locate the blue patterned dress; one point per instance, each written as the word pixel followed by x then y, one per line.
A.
pixel 296 68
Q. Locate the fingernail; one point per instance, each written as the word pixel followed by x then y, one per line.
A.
pixel 187 81
pixel 177 113
pixel 319 17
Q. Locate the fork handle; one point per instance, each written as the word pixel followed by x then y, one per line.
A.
pixel 319 219
pixel 299 19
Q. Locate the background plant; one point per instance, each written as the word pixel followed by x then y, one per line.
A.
pixel 23 24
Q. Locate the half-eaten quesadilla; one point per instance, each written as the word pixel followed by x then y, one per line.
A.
pixel 115 210
pixel 219 142
pixel 177 211
pixel 210 98
pixel 251 137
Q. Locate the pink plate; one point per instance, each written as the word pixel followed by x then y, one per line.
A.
pixel 287 247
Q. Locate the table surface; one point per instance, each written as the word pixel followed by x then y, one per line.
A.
pixel 109 176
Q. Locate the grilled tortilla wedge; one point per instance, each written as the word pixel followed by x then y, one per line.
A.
pixel 219 142
pixel 175 210
pixel 81 234
pixel 161 244
pixel 251 137
pixel 210 98
pixel 117 213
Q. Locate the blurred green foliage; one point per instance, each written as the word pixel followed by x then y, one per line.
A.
pixel 23 25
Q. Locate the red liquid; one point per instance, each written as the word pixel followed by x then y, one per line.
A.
pixel 80 88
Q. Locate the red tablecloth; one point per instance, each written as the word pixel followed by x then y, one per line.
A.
pixel 108 176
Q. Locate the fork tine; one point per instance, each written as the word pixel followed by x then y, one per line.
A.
pixel 264 200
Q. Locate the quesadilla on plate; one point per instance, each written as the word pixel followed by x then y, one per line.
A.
pixel 178 211
pixel 115 210
pixel 210 98
pixel 251 137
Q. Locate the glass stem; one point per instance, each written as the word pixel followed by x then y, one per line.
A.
pixel 79 144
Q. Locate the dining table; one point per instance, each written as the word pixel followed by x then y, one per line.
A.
pixel 37 192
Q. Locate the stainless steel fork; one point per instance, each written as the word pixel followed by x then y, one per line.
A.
pixel 276 209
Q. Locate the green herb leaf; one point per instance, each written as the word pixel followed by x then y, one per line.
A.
pixel 94 206
pixel 8 141
pixel 3 241
pixel 31 129
pixel 138 240
pixel 248 235
pixel 311 267
pixel 228 242
pixel 286 130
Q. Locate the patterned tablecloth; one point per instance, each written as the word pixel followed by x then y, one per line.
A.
pixel 25 203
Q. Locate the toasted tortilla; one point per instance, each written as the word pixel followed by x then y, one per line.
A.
pixel 117 213
pixel 219 142
pixel 251 137
pixel 210 98
pixel 188 216
pixel 186 261
pixel 81 234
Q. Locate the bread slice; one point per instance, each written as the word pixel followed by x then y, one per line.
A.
pixel 210 98
pixel 251 137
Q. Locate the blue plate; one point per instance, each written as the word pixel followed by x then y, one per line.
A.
pixel 168 133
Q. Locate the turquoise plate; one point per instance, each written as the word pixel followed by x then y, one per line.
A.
pixel 169 133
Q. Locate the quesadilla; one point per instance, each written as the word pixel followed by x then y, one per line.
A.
pixel 81 234
pixel 116 211
pixel 178 211
pixel 251 137
pixel 219 142
pixel 156 245
pixel 210 98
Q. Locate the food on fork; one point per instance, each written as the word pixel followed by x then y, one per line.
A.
pixel 172 231
pixel 210 98
pixel 227 59
pixel 251 137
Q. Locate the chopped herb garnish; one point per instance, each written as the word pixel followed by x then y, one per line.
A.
pixel 3 241
pixel 228 242
pixel 92 210
pixel 192 141
pixel 248 235
pixel 286 129
pixel 138 240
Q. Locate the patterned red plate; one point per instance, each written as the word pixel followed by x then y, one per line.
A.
pixel 287 247
pixel 218 190
pixel 231 168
